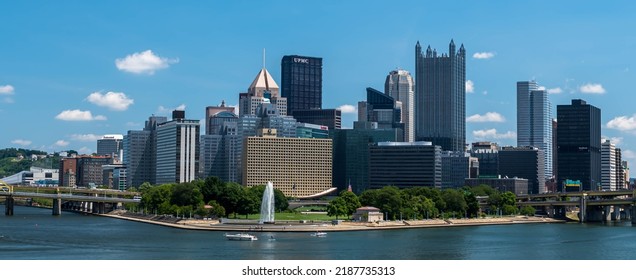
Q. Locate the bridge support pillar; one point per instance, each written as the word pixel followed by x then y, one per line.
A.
pixel 617 212
pixel 101 207
pixel 89 207
pixel 583 209
pixel 628 212
pixel 633 214
pixel 607 213
pixel 57 207
pixel 8 205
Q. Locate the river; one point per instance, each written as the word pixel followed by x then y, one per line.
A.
pixel 34 234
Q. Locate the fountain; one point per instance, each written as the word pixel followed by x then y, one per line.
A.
pixel 267 205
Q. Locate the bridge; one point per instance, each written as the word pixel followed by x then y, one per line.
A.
pixel 593 206
pixel 83 200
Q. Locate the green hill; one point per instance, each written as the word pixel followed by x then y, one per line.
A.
pixel 14 160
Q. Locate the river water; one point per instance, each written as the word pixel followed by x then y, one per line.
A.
pixel 34 234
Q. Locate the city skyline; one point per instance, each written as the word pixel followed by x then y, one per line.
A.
pixel 114 65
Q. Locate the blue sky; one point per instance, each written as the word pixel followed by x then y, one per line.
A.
pixel 74 70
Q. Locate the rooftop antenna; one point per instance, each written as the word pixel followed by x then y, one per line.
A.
pixel 263 58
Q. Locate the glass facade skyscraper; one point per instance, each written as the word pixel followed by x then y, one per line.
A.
pixel 534 121
pixel 440 97
pixel 579 144
pixel 301 82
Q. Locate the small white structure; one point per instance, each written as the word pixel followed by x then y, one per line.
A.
pixel 368 214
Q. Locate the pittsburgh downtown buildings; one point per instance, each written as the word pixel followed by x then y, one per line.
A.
pixel 411 134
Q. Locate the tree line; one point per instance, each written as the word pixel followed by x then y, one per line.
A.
pixel 223 198
pixel 428 203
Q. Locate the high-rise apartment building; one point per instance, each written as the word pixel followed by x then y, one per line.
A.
pixel 399 85
pixel 440 97
pixel 301 82
pixel 534 121
pixel 140 153
pixel 177 150
pixel 608 167
pixel 579 144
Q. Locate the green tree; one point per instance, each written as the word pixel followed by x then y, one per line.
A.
pixel 527 210
pixel 471 201
pixel 211 188
pixel 229 197
pixel 186 194
pixel 390 201
pixel 217 209
pixel 280 201
pixel 351 200
pixel 508 198
pixel 509 210
pixel 455 202
pixel 337 207
pixel 249 202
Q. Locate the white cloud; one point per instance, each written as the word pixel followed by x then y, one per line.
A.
pixel 491 134
pixel 165 110
pixel 86 137
pixel 144 62
pixel 592 88
pixel 117 101
pixel 614 140
pixel 488 117
pixel 22 142
pixel 541 88
pixel 483 55
pixel 470 86
pixel 8 90
pixel 628 154
pixel 78 115
pixel 348 109
pixel 85 151
pixel 556 90
pixel 61 143
pixel 623 123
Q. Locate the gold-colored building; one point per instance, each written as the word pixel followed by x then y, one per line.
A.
pixel 299 167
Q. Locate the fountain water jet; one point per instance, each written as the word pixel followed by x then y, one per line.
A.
pixel 267 205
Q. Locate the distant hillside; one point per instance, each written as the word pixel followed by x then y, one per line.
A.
pixel 14 160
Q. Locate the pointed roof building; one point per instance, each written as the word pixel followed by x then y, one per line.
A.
pixel 263 82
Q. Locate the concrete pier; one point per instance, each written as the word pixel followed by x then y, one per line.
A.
pixel 607 213
pixel 8 206
pixel 57 207
pixel 583 209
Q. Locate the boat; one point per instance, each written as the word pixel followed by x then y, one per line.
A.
pixel 319 234
pixel 241 237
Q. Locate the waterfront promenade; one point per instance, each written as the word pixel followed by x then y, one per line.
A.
pixel 297 226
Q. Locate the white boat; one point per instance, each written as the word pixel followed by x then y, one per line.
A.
pixel 319 234
pixel 241 237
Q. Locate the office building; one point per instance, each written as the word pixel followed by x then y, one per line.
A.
pixel 517 186
pixel 381 109
pixel 177 150
pixel 214 119
pixel 487 154
pixel 301 83
pixel 405 164
pixel 456 167
pixel 140 153
pixel 299 167
pixel 307 130
pixel 68 172
pixel 534 121
pixel 114 176
pixel 111 145
pixel 523 162
pixel 331 118
pixel 351 153
pixel 220 148
pixel 440 97
pixel 89 170
pixel 263 89
pixel 399 85
pixel 579 144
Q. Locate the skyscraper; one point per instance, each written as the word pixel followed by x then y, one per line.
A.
pixel 263 89
pixel 440 97
pixel 399 85
pixel 534 121
pixel 301 82
pixel 523 162
pixel 140 153
pixel 177 150
pixel 579 144
pixel 383 110
pixel 608 166
pixel 110 145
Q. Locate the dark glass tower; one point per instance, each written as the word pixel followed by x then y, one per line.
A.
pixel 440 97
pixel 579 144
pixel 301 82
